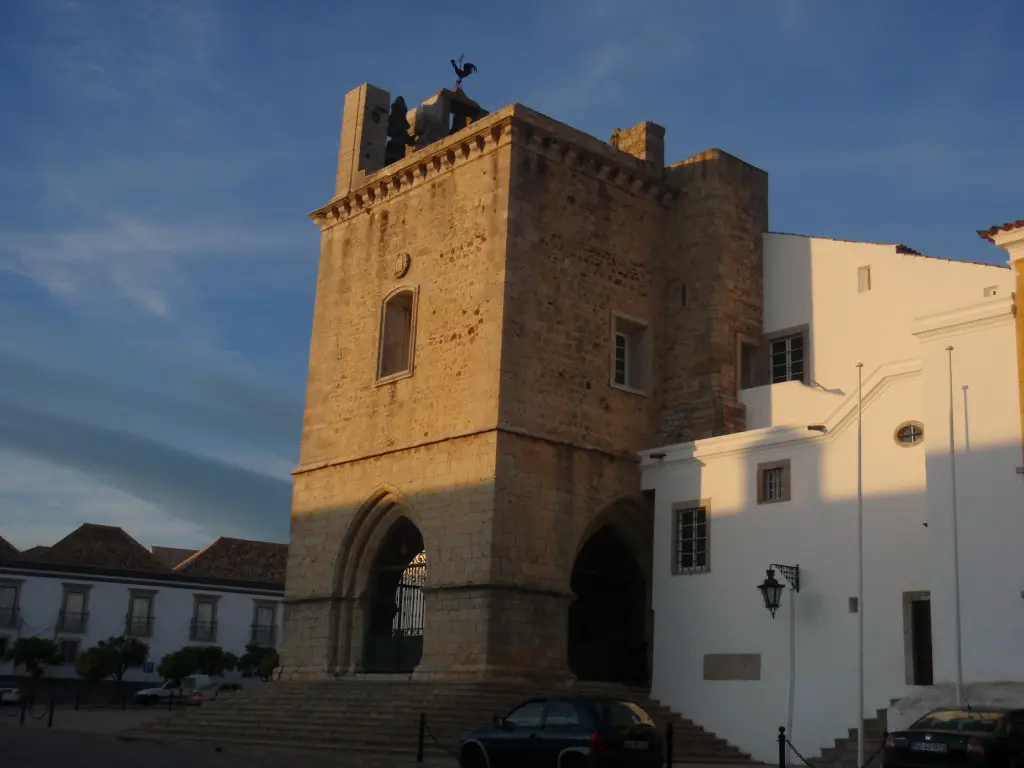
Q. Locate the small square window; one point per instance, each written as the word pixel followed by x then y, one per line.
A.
pixel 690 546
pixel 864 279
pixel 991 291
pixel 773 482
pixel 630 354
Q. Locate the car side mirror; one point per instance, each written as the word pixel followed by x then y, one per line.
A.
pixel 507 725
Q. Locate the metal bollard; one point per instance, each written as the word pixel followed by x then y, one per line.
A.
pixel 782 746
pixel 423 732
pixel 24 706
pixel 124 701
pixel 1 697
pixel 170 702
pixel 49 718
pixel 669 741
pixel 77 694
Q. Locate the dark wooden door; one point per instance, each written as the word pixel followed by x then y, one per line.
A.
pixel 921 639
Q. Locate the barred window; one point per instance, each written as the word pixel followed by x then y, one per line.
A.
pixel 773 482
pixel 691 540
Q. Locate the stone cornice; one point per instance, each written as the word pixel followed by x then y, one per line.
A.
pixel 513 124
pixel 961 320
pixel 472 142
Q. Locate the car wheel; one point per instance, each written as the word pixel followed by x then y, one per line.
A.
pixel 472 756
pixel 572 760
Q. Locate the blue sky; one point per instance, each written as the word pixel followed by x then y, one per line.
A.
pixel 158 159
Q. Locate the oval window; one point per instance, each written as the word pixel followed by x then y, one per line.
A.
pixel 911 433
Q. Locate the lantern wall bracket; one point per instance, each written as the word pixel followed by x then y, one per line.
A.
pixel 791 573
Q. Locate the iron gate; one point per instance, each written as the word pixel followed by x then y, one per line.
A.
pixel 400 647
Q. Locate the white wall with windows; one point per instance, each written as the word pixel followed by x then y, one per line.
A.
pixel 829 304
pixel 78 610
pixel 783 494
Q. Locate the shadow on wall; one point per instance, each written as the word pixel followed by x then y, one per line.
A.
pixel 723 661
pixel 359 600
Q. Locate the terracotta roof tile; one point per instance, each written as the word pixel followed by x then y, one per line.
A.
pixel 100 546
pixel 7 550
pixel 171 556
pixel 988 234
pixel 239 559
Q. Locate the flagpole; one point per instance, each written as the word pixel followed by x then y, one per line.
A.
pixel 956 542
pixel 860 564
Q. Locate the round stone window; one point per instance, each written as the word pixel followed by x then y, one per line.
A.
pixel 909 434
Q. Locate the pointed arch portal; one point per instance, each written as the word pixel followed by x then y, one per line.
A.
pixel 607 638
pixel 394 626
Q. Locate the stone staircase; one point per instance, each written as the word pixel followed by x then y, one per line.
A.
pixel 382 717
pixel 843 754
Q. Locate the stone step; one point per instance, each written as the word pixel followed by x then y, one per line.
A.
pixel 682 752
pixel 383 716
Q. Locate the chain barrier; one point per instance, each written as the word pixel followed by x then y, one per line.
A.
pixel 434 738
pixel 33 715
pixel 796 752
pixel 809 764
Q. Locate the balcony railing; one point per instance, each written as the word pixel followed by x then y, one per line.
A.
pixel 203 631
pixel 72 621
pixel 10 617
pixel 262 634
pixel 138 626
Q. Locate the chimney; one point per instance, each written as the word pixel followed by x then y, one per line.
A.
pixel 645 141
pixel 1010 237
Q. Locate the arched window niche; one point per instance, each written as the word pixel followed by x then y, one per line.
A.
pixel 397 334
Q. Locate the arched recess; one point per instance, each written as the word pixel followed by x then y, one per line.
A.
pixel 393 610
pixel 610 623
pixel 363 547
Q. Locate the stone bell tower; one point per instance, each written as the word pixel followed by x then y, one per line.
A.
pixel 507 309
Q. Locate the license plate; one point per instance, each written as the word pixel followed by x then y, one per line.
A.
pixel 636 745
pixel 927 746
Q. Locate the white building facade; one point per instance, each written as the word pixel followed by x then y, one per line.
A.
pixel 77 604
pixel 785 492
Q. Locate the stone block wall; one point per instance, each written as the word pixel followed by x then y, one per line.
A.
pixel 712 280
pixel 508 446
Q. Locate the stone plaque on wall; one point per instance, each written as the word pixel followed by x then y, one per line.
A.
pixel 732 666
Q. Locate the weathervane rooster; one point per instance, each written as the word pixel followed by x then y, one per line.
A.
pixel 462 71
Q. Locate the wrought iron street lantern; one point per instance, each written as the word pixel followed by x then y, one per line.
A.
pixel 771 588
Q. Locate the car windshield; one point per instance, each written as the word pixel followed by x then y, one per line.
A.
pixel 623 714
pixel 960 720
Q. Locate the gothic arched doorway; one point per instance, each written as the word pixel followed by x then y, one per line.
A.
pixel 607 620
pixel 394 631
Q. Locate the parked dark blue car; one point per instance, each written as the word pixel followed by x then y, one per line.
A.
pixel 566 732
pixel 990 737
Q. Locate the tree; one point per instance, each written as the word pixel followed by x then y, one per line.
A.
pixel 175 666
pixel 259 659
pixel 35 654
pixel 269 661
pixel 205 659
pixel 92 665
pixel 112 658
